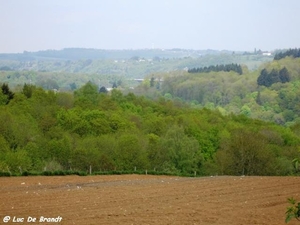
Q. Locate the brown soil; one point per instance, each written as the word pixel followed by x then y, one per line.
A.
pixel 141 199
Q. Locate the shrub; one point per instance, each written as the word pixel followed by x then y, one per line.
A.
pixel 47 173
pixel 293 211
pixel 5 174
pixel 59 173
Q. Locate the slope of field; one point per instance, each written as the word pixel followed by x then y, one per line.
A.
pixel 141 199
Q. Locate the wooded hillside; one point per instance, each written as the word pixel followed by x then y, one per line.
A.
pixel 43 130
pixel 270 93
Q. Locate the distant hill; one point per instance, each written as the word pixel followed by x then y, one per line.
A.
pixel 126 63
pixel 82 53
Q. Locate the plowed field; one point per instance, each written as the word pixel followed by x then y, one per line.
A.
pixel 141 199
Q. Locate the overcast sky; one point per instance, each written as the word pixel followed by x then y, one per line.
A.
pixel 32 25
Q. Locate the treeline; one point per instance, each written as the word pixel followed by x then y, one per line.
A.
pixel 291 52
pixel 47 131
pixel 227 68
pixel 268 78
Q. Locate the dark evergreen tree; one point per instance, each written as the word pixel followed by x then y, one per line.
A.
pixel 73 86
pixel 284 75
pixel 152 80
pixel 6 91
pixel 273 77
pixel 103 90
pixel 239 69
pixel 267 79
pixel 114 85
pixel 263 78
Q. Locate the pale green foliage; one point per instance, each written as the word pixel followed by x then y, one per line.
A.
pixel 180 149
pixel 3 98
pixel 245 110
pixel 87 95
pixel 293 211
pixel 52 165
pixel 296 163
pixel 238 94
pixel 18 161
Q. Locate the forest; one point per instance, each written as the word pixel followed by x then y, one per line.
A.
pixel 225 119
pixel 270 93
pixel 44 130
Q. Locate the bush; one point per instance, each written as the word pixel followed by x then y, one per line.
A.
pixel 293 211
pixel 81 173
pixel 25 173
pixel 59 173
pixel 5 174
pixel 47 173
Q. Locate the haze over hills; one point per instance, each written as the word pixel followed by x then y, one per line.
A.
pixel 78 65
pixel 91 60
pixel 85 53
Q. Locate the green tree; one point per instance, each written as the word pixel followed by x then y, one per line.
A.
pixel 245 110
pixel 86 153
pixel 18 161
pixel 87 96
pixel 6 91
pixel 284 75
pixel 59 150
pixel 65 100
pixel 247 153
pixel 108 148
pixel 182 151
pixel 263 78
pixel 157 155
pixel 37 155
pixel 3 98
pixel 28 89
pixel 131 153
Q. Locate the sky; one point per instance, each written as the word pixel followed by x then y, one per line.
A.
pixel 237 25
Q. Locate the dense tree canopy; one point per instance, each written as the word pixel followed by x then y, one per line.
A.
pixel 88 129
pixel 270 93
pixel 204 122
